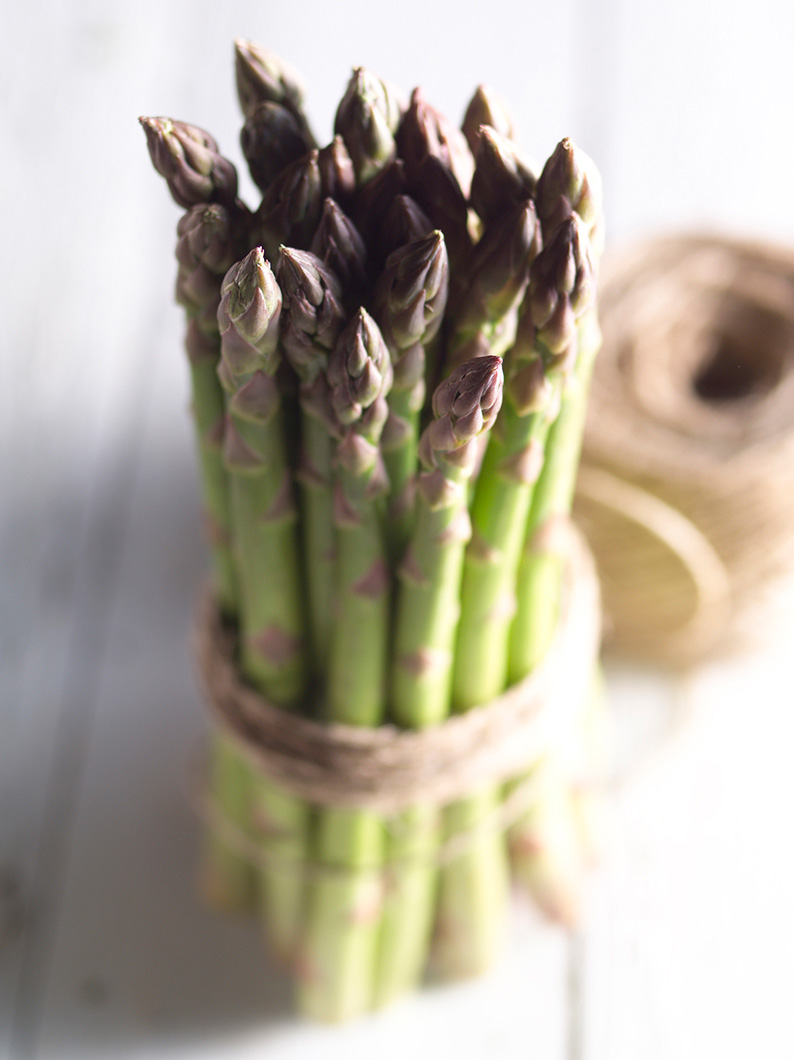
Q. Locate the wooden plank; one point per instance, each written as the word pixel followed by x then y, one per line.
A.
pixel 70 385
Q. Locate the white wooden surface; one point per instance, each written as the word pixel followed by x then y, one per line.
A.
pixel 689 945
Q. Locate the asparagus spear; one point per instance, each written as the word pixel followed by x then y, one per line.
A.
pixel 546 341
pixel 465 406
pixel 360 374
pixel 563 831
pixel 338 244
pixel 338 958
pixel 426 131
pixel 499 275
pixel 569 183
pixel 502 179
pixel 571 175
pixel 410 298
pixel 263 77
pixel 403 222
pixel 272 139
pixel 189 160
pixel 312 319
pixel 473 889
pixel 545 845
pixel 546 849
pixel 272 652
pixel 436 189
pixel 367 119
pixel 290 209
pixel 567 179
pixel 196 175
pixel 486 108
pixel 337 175
pixel 205 252
pixel 374 198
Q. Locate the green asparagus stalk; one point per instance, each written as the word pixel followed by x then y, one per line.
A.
pixel 568 181
pixel 339 950
pixel 465 406
pixel 199 178
pixel 563 833
pixel 227 879
pixel 195 171
pixel 403 222
pixel 499 276
pixel 312 319
pixel 373 200
pixel 360 375
pixel 473 888
pixel 410 298
pixel 263 77
pixel 337 175
pixel 290 209
pixel 486 108
pixel 559 287
pixel 439 167
pixel 272 138
pixel 189 161
pixel 426 131
pixel 338 244
pixel 272 651
pixel 367 119
pixel 437 191
pixel 547 855
pixel 540 574
pixel 502 179
pixel 205 252
pixel 568 184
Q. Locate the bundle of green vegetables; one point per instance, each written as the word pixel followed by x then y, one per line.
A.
pixel 389 360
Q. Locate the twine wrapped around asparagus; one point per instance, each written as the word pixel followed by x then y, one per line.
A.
pixel 380 402
pixel 391 767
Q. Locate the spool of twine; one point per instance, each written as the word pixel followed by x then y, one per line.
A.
pixel 389 769
pixel 684 492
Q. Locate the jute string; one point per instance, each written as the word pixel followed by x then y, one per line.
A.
pixel 389 769
pixel 517 803
pixel 685 489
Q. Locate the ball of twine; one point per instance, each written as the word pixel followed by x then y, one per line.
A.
pixel 684 490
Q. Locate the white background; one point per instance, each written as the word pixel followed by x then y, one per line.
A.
pixel 687 108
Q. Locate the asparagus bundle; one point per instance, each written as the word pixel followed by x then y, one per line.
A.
pixel 380 521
